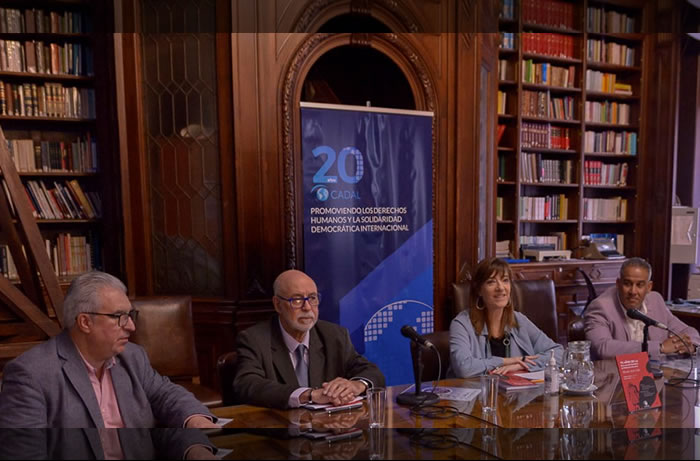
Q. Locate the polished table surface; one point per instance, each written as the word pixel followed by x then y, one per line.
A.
pixel 526 424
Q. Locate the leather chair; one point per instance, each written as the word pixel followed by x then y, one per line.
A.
pixel 164 328
pixel 441 340
pixel 226 369
pixel 535 298
pixel 538 301
pixel 576 328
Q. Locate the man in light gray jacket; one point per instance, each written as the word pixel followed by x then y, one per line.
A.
pixel 611 332
pixel 90 376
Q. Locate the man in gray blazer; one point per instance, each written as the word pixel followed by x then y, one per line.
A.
pixel 294 358
pixel 90 376
pixel 612 332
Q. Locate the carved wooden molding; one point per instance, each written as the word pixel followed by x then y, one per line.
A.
pixel 314 11
pixel 291 90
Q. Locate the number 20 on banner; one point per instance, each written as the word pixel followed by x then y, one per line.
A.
pixel 322 178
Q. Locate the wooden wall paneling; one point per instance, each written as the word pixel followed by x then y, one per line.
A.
pixel 658 166
pixel 257 67
pixel 136 225
pixel 215 335
pixel 225 105
pixel 466 166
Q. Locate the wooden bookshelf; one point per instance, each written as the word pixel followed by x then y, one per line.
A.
pixel 577 98
pixel 52 111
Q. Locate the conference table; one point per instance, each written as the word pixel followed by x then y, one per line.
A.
pixel 525 425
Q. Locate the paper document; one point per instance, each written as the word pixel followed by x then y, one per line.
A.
pixel 535 376
pixel 357 403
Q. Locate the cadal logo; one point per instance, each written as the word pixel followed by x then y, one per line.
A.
pixel 320 192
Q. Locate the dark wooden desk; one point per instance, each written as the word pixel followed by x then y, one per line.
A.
pixel 526 425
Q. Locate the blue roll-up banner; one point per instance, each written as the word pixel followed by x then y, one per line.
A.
pixel 368 227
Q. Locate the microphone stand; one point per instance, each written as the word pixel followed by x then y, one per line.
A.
pixel 653 368
pixel 418 397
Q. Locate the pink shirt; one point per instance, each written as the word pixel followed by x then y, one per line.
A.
pixel 109 407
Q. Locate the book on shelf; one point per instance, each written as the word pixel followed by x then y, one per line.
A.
pixel 507 10
pixel 554 13
pixel 554 241
pixel 549 44
pixel 609 21
pixel 548 208
pixel 613 142
pixel 65 200
pixel 607 112
pixel 503 249
pixel 70 254
pixel 605 209
pixel 610 53
pixel 501 130
pixel 545 73
pixel 75 155
pixel 610 174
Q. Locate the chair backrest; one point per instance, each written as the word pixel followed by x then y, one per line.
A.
pixel 460 291
pixel 226 369
pixel 441 340
pixel 576 328
pixel 165 330
pixel 537 300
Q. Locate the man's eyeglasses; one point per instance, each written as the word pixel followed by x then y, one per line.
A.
pixel 123 318
pixel 297 302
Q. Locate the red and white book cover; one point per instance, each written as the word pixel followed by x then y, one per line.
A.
pixel 637 381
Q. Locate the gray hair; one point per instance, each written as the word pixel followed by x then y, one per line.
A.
pixel 636 262
pixel 82 294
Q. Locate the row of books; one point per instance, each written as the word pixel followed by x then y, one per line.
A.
pixel 614 142
pixel 606 82
pixel 47 100
pixel 554 13
pixel 45 58
pixel 507 10
pixel 602 21
pixel 503 249
pixel 557 239
pixel 610 52
pixel 609 174
pixel 534 104
pixel 605 209
pixel 607 112
pixel 65 200
pixel 501 102
pixel 546 74
pixel 39 21
pixel 69 255
pixel 558 45
pixel 548 208
pixel 33 155
pixel 535 169
pixel 545 136
pixel 618 239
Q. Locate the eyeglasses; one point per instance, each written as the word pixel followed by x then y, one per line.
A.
pixel 123 318
pixel 298 302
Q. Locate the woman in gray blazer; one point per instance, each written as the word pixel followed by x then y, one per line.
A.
pixel 507 341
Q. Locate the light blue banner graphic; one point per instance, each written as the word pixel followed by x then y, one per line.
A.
pixel 368 229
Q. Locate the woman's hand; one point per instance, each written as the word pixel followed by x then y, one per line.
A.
pixel 511 364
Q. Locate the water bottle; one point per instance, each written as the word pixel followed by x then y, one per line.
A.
pixel 551 376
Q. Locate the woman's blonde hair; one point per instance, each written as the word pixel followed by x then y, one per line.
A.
pixel 486 269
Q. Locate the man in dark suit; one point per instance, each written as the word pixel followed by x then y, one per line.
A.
pixel 294 358
pixel 90 376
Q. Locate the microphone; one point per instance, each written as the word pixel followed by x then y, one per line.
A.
pixel 413 335
pixel 635 314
